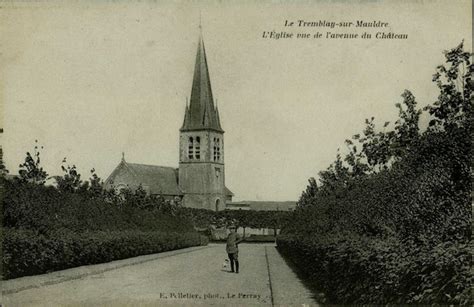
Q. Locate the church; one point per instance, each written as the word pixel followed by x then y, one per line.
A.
pixel 199 181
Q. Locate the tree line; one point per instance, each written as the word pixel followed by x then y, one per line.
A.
pixel 389 221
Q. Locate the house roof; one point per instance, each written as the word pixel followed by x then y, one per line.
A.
pixel 159 179
pixel 201 113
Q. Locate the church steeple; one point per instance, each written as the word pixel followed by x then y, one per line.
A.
pixel 201 144
pixel 201 114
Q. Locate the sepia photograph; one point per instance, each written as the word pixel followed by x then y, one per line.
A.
pixel 236 153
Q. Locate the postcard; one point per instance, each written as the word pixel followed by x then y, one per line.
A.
pixel 240 153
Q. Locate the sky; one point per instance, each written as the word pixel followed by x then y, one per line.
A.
pixel 92 79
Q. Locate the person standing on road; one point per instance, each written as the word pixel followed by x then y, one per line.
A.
pixel 232 249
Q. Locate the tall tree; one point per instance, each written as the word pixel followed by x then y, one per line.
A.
pixel 454 106
pixel 308 195
pixel 31 170
pixel 71 179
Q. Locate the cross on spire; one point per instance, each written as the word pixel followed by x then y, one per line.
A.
pixel 200 24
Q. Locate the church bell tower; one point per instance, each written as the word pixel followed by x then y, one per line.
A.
pixel 201 144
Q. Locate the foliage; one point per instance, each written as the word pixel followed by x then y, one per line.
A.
pixel 96 187
pixel 45 209
pixel 31 170
pixel 49 228
pixel 202 218
pixel 363 270
pixel 406 130
pixel 454 106
pixel 3 169
pixel 26 253
pixel 309 193
pixel 390 222
pixel 71 180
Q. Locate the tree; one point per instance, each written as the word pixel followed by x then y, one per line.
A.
pixel 453 114
pixel 335 176
pixel 409 213
pixel 308 194
pixel 96 188
pixel 406 127
pixel 372 151
pixel 31 170
pixel 3 169
pixel 243 219
pixel 454 106
pixel 71 179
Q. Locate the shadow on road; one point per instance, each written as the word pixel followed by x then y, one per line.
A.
pixel 310 284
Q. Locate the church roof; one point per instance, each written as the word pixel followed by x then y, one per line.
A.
pixel 201 113
pixel 228 192
pixel 161 180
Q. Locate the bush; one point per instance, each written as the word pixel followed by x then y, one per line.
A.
pixel 27 253
pixel 45 209
pixel 396 237
pixel 376 271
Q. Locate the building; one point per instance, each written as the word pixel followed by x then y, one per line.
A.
pixel 200 178
pixel 155 180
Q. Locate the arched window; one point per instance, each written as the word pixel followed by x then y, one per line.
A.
pixel 218 204
pixel 190 148
pixel 197 149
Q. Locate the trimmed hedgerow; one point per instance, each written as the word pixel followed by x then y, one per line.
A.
pixel 362 270
pixel 45 208
pixel 27 253
pixel 47 229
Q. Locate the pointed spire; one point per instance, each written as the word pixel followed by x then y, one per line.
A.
pixel 123 156
pixel 201 113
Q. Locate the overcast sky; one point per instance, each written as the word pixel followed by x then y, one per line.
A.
pixel 91 81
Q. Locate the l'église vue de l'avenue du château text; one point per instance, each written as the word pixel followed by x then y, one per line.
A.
pixel 304 24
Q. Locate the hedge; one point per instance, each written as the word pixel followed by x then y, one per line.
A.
pixel 44 208
pixel 365 270
pixel 391 222
pixel 27 253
